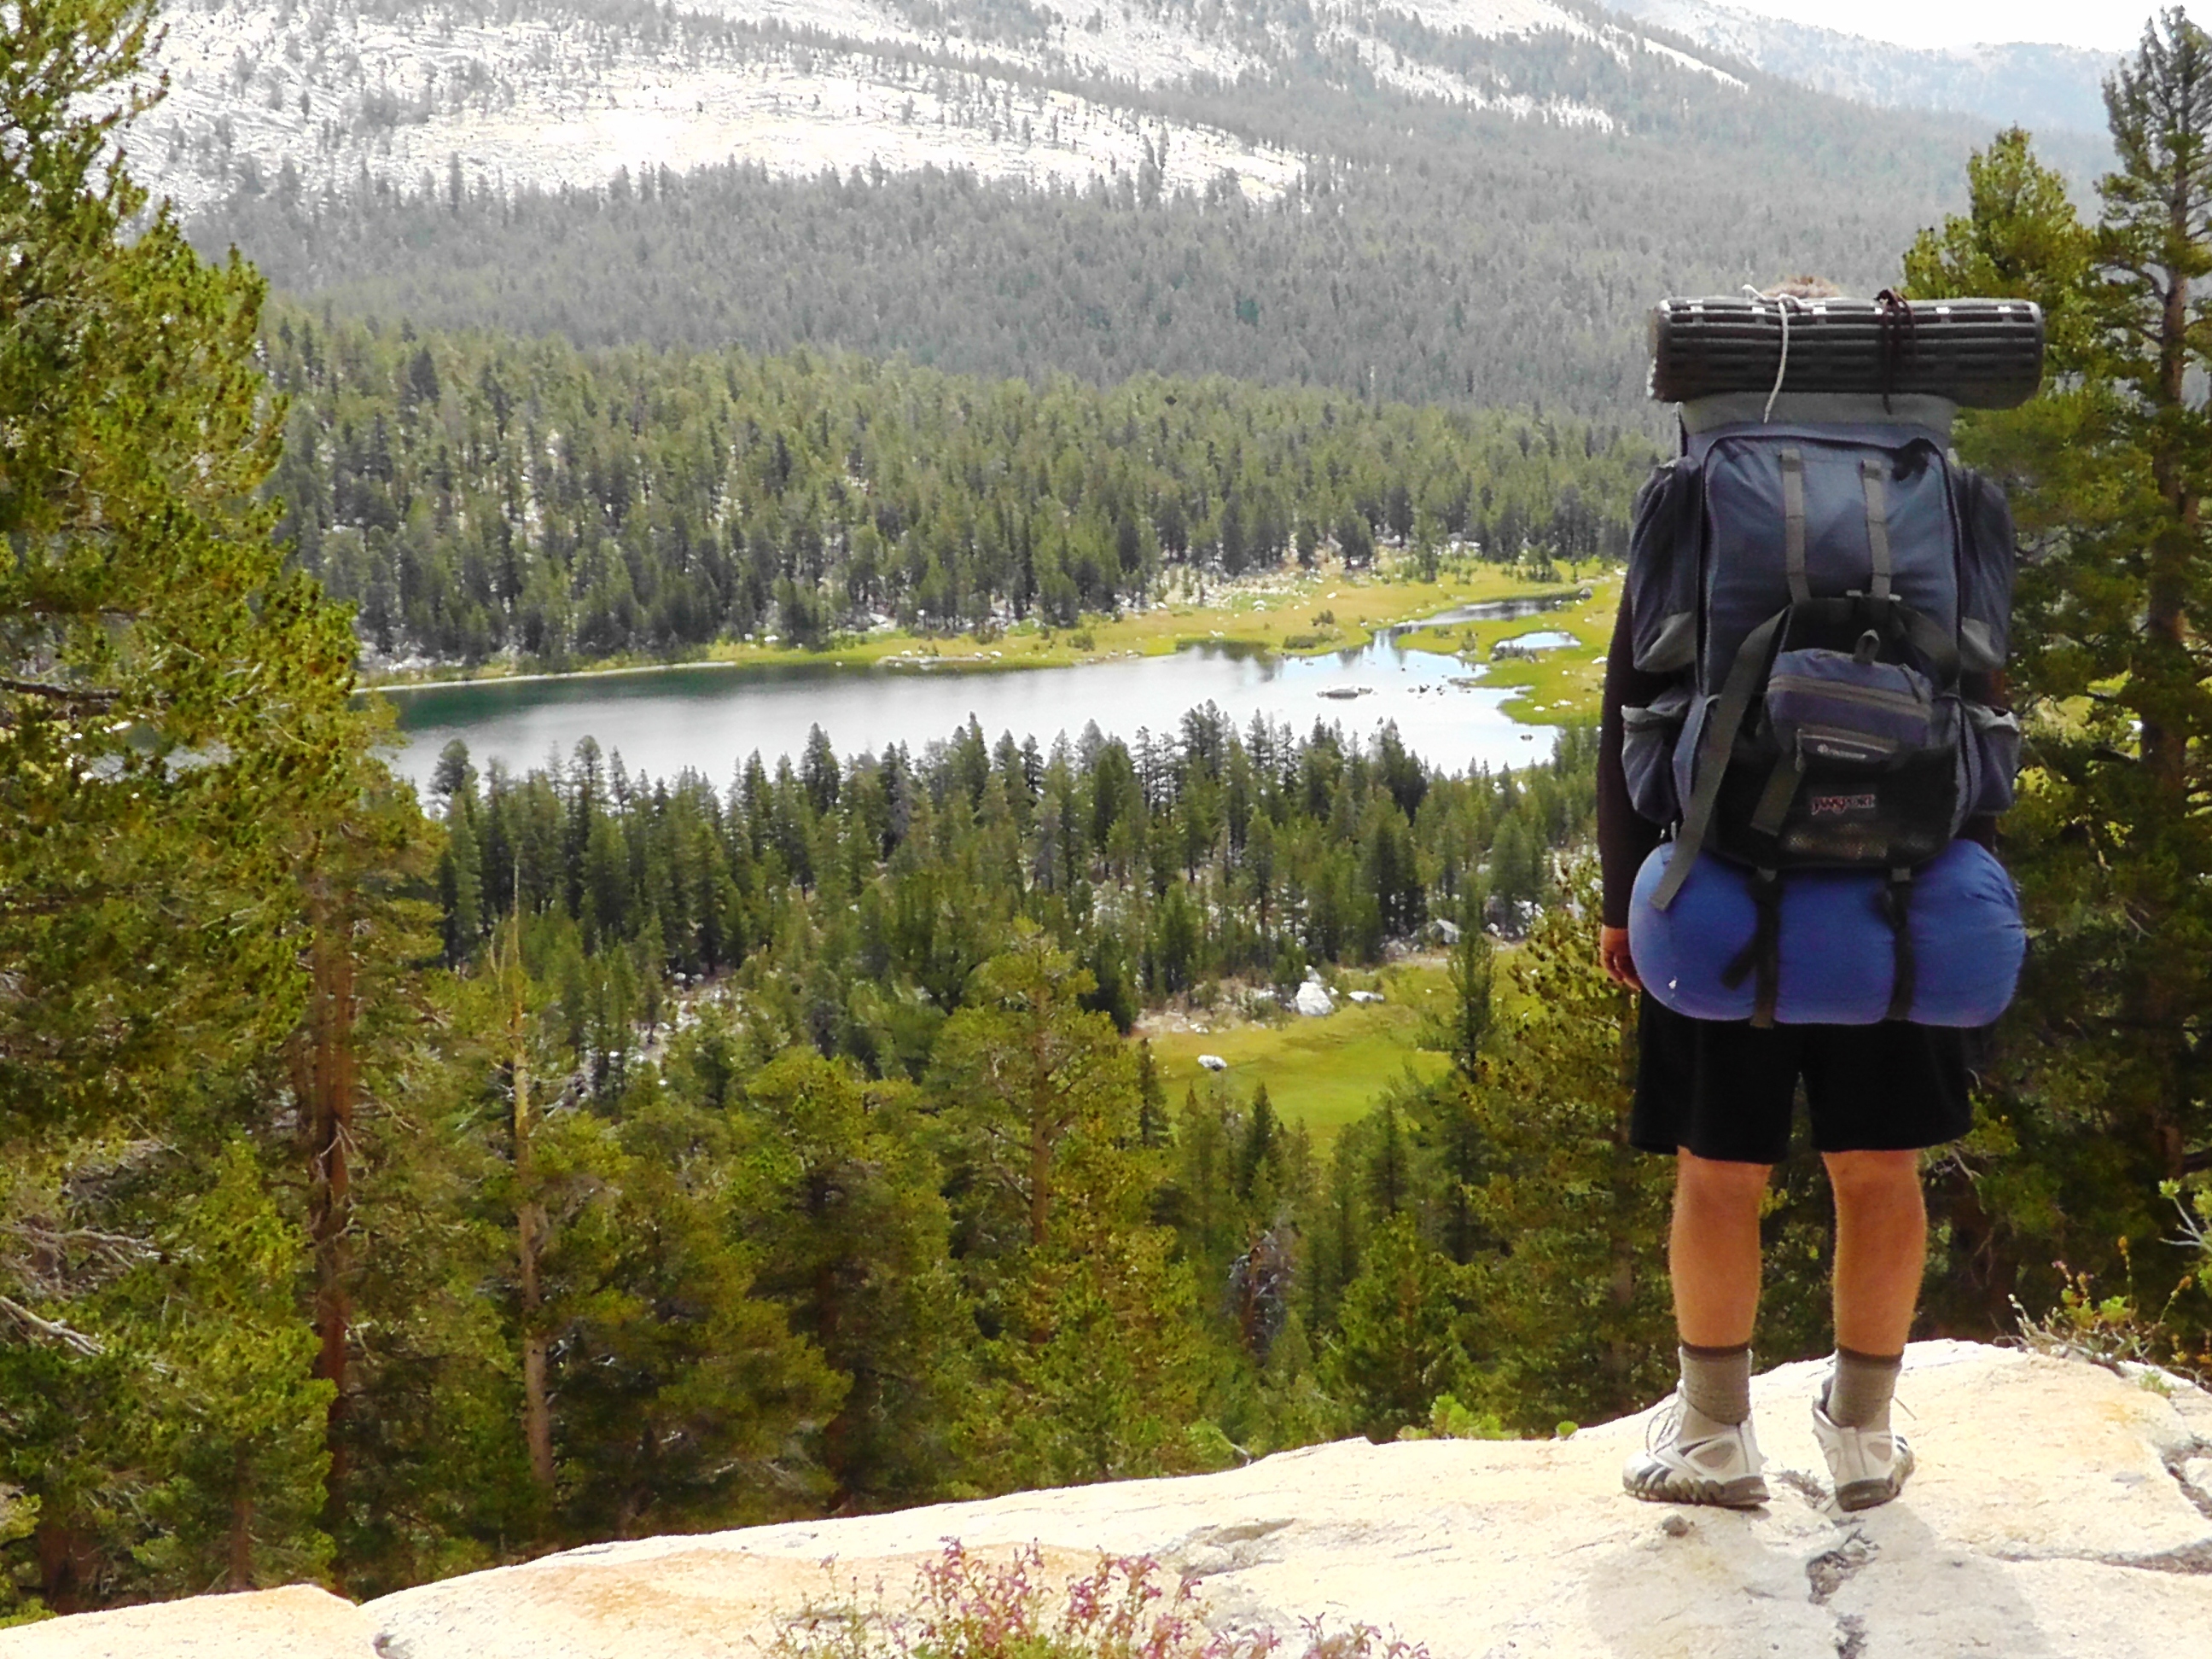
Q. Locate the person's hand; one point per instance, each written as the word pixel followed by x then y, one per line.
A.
pixel 1613 956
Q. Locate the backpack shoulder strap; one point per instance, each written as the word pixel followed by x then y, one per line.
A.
pixel 1716 744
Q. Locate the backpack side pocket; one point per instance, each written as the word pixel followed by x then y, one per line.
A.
pixel 1648 738
pixel 1662 568
pixel 1989 751
pixel 1988 551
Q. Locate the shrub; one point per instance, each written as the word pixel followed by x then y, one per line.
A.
pixel 968 1607
pixel 2114 1331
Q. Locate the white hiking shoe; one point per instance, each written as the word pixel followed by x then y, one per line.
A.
pixel 1690 1459
pixel 1869 1466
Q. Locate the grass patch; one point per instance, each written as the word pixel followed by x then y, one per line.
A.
pixel 1554 686
pixel 1322 1073
pixel 1276 611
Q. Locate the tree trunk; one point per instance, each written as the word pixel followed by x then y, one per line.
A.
pixel 529 1239
pixel 325 1080
pixel 1042 1106
pixel 822 1196
pixel 1040 1179
pixel 68 1565
pixel 240 1574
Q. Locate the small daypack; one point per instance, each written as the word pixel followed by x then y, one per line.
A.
pixel 1817 572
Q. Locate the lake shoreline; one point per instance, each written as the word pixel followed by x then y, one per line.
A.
pixel 1459 686
pixel 1158 630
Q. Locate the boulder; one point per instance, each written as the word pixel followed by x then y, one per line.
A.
pixel 299 1621
pixel 2050 1517
pixel 1313 999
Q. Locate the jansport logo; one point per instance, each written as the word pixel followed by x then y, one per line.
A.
pixel 1838 806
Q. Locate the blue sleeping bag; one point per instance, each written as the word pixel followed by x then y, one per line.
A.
pixel 1836 949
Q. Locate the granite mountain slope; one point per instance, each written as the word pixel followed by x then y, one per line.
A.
pixel 2061 1511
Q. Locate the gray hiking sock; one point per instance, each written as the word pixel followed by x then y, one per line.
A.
pixel 1717 1382
pixel 1859 1390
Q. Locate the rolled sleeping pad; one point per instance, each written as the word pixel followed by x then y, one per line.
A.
pixel 1836 951
pixel 1980 354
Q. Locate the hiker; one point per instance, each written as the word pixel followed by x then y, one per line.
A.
pixel 1845 517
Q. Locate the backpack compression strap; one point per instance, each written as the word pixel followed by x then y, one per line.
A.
pixel 1873 477
pixel 1716 744
pixel 1896 905
pixel 1763 955
pixel 1792 461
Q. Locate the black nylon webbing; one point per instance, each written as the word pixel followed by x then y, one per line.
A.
pixel 1874 475
pixel 1938 648
pixel 1896 905
pixel 1793 524
pixel 1762 954
pixel 1716 744
pixel 1781 789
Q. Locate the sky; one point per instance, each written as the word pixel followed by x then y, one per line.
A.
pixel 2101 25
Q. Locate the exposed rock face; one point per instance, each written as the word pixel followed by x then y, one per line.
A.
pixel 297 1622
pixel 2051 1516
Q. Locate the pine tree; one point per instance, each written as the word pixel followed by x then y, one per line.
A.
pixel 1101 1365
pixel 852 1236
pixel 1398 1341
pixel 175 698
pixel 248 1452
pixel 673 1388
pixel 1576 1308
pixel 362 933
pixel 1030 1081
pixel 2099 1097
pixel 1154 1129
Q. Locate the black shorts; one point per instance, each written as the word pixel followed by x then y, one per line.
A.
pixel 1726 1090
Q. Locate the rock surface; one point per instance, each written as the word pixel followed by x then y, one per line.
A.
pixel 297 1622
pixel 2051 1516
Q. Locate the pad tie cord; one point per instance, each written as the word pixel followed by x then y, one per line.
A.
pixel 1895 312
pixel 1783 302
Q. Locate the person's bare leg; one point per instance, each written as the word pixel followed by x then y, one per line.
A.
pixel 1712 1252
pixel 1705 1452
pixel 1881 1242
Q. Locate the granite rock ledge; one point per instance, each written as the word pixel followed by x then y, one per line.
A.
pixel 2060 1509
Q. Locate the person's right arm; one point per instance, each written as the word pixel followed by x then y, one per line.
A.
pixel 1624 839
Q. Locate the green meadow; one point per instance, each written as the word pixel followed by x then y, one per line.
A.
pixel 1323 1072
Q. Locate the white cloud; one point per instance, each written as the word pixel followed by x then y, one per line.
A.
pixel 2101 25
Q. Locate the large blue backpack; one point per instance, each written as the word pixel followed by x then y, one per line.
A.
pixel 1816 572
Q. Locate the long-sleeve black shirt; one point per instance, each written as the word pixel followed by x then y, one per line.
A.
pixel 1624 837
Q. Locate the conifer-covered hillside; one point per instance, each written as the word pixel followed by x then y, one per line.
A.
pixel 1472 204
pixel 471 496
